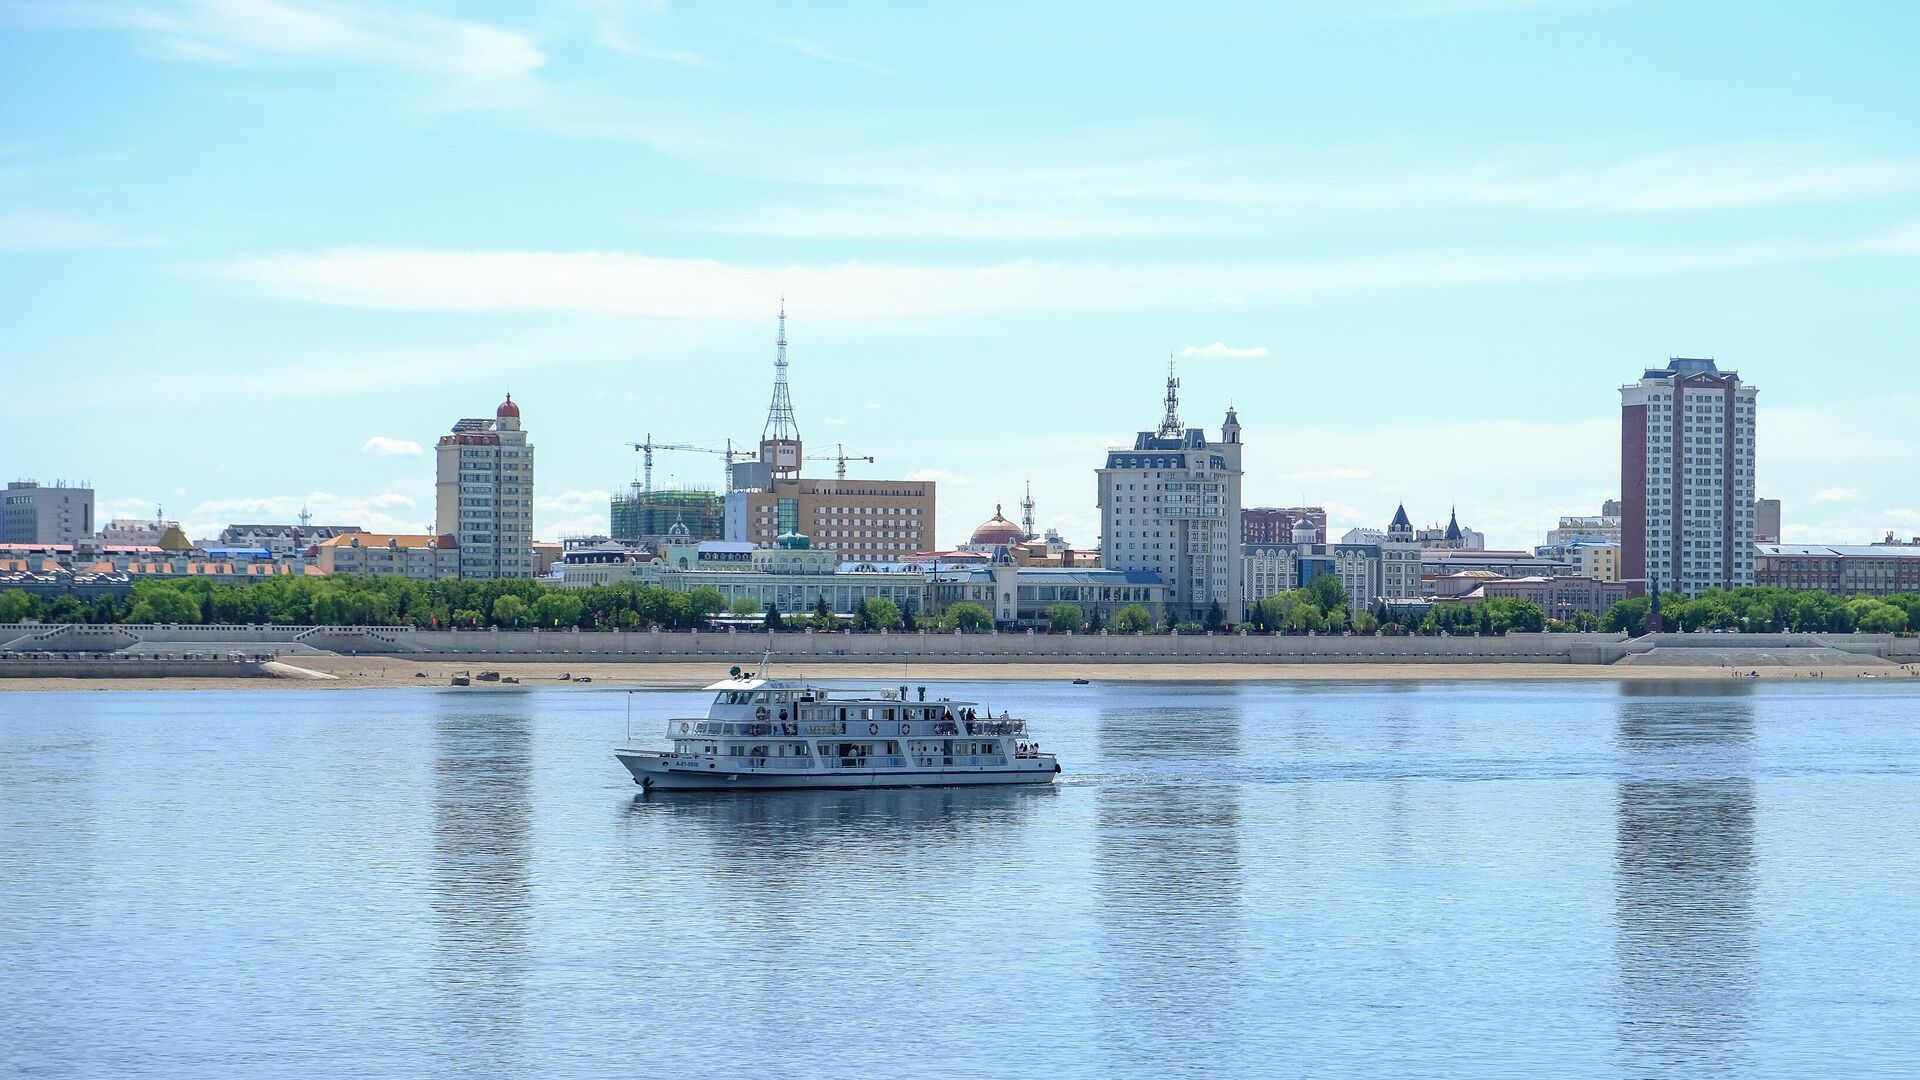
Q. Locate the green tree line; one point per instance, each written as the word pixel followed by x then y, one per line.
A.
pixel 1322 607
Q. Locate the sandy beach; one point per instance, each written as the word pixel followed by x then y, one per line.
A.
pixel 366 672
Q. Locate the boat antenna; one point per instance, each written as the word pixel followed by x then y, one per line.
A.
pixel 766 660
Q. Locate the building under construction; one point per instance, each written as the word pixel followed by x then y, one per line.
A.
pixel 650 517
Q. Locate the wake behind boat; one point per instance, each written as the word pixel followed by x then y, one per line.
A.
pixel 767 733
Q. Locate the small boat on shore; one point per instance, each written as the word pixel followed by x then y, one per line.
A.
pixel 764 733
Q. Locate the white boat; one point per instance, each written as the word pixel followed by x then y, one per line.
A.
pixel 769 733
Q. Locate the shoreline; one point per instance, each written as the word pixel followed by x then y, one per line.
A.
pixel 379 672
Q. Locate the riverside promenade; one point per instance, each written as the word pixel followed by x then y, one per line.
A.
pixel 666 647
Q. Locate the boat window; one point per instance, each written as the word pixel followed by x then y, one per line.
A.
pixel 889 715
pixel 761 698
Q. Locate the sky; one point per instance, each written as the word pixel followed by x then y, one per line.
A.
pixel 256 254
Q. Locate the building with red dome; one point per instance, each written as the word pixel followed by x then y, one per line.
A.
pixel 483 494
pixel 995 532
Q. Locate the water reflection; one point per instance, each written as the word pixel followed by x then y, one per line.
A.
pixel 1684 878
pixel 481 888
pixel 1170 887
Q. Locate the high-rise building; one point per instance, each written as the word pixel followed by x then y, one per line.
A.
pixel 859 520
pixel 1686 477
pixel 1766 521
pixel 483 494
pixel 1170 505
pixel 37 514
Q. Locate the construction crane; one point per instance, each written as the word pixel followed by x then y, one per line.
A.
pixel 840 459
pixel 729 456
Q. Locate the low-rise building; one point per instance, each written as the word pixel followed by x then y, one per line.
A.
pixel 1018 596
pixel 1370 570
pixel 282 540
pixel 1841 569
pixel 415 557
pixel 1591 557
pixel 1557 597
pixel 1436 564
pixel 33 513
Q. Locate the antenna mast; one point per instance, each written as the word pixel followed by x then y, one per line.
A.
pixel 1170 426
pixel 1026 512
pixel 780 422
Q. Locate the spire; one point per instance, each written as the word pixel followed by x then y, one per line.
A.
pixel 1453 523
pixel 1400 523
pixel 1170 426
pixel 780 422
pixel 1026 512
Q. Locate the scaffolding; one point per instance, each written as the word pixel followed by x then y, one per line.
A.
pixel 644 515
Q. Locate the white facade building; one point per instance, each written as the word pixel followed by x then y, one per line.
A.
pixel 483 494
pixel 33 513
pixel 1170 506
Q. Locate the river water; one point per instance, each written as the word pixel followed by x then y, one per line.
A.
pixel 1351 879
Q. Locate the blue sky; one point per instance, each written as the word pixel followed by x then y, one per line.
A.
pixel 255 252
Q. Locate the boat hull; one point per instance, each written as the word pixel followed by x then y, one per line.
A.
pixel 651 772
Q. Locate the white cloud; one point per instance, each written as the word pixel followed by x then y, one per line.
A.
pixel 939 476
pixel 382 512
pixel 821 51
pixel 1222 351
pixel 1331 474
pixel 43 231
pixel 243 31
pixel 574 512
pixel 632 284
pixel 380 444
pixel 1836 494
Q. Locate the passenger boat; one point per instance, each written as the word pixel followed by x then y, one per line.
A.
pixel 768 733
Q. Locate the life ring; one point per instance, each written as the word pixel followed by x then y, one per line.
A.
pixel 683 728
pixel 906 729
pixel 760 713
pixel 873 729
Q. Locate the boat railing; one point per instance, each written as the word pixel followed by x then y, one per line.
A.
pixel 769 729
pixel 870 761
pixel 770 763
pixel 997 727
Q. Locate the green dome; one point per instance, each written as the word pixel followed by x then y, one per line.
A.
pixel 793 541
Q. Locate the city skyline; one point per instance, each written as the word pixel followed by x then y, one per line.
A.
pixel 1409 299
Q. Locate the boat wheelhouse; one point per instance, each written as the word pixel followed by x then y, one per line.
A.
pixel 768 733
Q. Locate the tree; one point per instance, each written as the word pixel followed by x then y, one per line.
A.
pixel 1327 594
pixel 877 613
pixel 1877 617
pixel 1216 616
pixel 1507 614
pixel 745 605
pixel 1132 619
pixel 908 622
pixel 1365 623
pixel 557 608
pixel 509 610
pixel 1064 617
pixel 773 619
pixel 968 618
pixel 1095 621
pixel 1627 616
pixel 18 605
pixel 823 614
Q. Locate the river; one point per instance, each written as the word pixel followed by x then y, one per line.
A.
pixel 1253 879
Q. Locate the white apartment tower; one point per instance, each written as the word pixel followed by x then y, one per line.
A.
pixel 1686 478
pixel 1170 505
pixel 484 494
